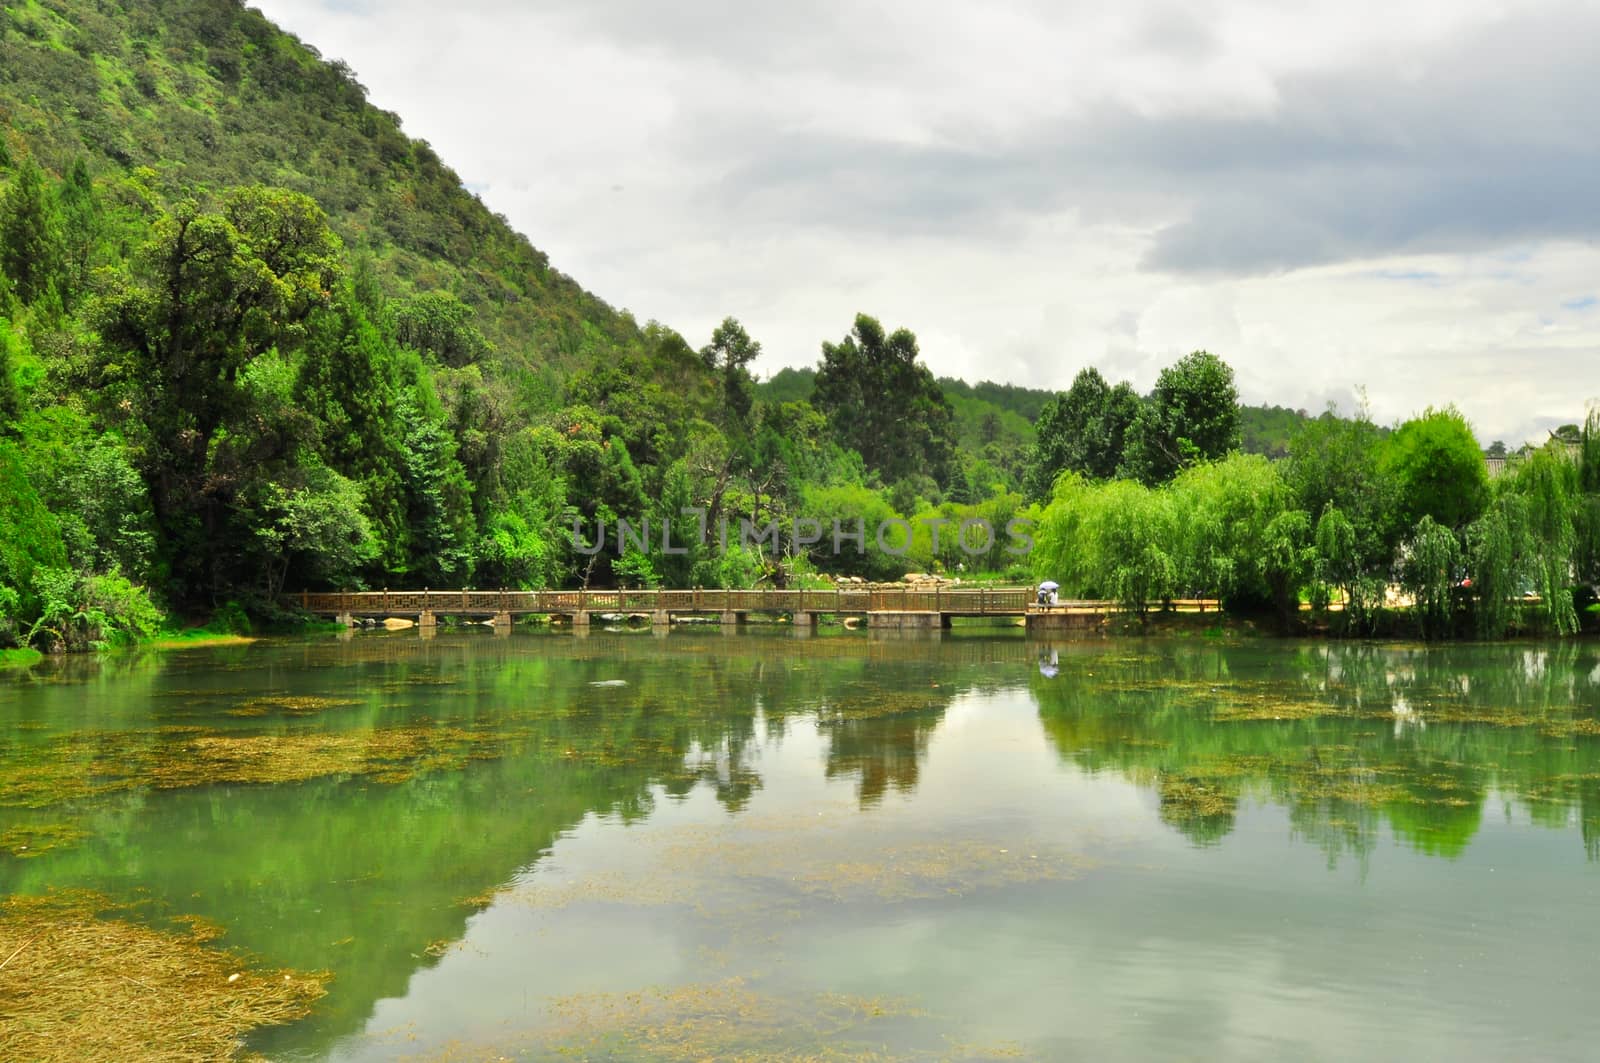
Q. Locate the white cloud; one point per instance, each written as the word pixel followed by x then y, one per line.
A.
pixel 1328 195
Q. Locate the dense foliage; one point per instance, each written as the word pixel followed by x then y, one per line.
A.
pixel 254 339
pixel 1355 521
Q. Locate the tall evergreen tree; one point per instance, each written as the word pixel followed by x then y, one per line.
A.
pixel 30 237
pixel 884 404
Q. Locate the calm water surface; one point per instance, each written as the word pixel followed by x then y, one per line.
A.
pixel 712 846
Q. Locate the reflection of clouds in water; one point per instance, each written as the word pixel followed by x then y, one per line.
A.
pixel 1406 717
pixel 1534 663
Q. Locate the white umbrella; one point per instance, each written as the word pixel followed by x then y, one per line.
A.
pixel 1049 585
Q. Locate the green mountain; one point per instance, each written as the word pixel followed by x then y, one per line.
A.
pixel 210 94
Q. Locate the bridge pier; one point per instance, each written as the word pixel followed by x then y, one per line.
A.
pixel 731 619
pixel 1063 621
pixel 908 621
pixel 579 621
pixel 427 621
pixel 502 623
pixel 660 618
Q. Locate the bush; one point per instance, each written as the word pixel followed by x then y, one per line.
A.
pixel 93 611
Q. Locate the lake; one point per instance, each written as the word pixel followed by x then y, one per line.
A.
pixel 846 846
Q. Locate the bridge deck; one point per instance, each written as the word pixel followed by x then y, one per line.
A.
pixel 944 602
pixel 959 601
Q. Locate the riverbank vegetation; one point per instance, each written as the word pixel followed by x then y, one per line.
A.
pixel 254 339
pixel 1399 532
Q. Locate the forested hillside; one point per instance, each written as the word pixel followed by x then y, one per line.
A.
pixel 209 94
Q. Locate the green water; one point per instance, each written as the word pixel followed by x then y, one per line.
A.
pixel 768 846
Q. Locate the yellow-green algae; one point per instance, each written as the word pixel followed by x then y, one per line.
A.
pixel 78 983
pixel 26 840
pixel 81 765
pixel 289 705
pixel 728 1020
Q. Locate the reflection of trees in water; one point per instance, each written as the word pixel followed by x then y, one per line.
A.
pixel 1346 737
pixel 881 740
pixel 279 865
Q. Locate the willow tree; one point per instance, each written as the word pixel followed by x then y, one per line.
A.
pixel 1233 545
pixel 1548 485
pixel 1340 564
pixel 1432 557
pixel 1117 540
pixel 1498 563
pixel 1586 513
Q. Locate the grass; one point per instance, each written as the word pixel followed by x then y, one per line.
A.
pixel 194 639
pixel 75 984
pixel 23 658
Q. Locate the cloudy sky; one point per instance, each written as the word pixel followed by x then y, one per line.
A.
pixel 1400 198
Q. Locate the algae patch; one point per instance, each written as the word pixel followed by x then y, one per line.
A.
pixel 84 765
pixel 286 705
pixel 25 840
pixel 75 985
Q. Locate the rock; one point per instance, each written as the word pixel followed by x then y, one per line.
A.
pixel 395 623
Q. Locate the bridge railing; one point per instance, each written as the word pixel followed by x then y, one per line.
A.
pixel 973 601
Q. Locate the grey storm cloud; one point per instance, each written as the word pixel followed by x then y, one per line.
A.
pixel 1491 138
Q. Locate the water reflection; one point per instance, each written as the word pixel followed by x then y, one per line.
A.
pixel 1347 738
pixel 363 865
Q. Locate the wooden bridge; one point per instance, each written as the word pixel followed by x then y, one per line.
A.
pixel 883 607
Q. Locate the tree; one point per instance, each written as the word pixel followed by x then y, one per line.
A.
pixel 1081 430
pixel 885 405
pixel 317 523
pixel 80 227
pixel 1437 469
pixel 348 380
pixel 729 353
pixel 10 396
pixel 213 289
pixel 1339 564
pixel 1193 415
pixel 1432 559
pixel 1334 461
pixel 440 326
pixel 1237 542
pixel 32 539
pixel 1547 484
pixel 438 495
pixel 1497 561
pixel 1118 540
pixel 30 237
